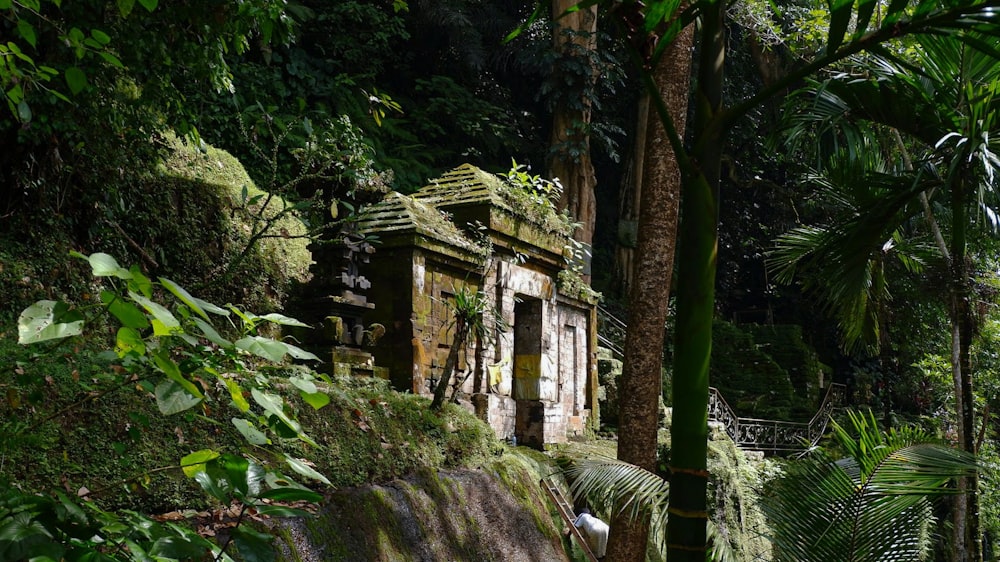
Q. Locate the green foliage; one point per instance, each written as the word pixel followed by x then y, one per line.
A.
pixel 785 345
pixel 751 381
pixel 873 504
pixel 172 350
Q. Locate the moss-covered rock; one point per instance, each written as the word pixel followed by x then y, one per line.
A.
pixel 751 381
pixel 496 513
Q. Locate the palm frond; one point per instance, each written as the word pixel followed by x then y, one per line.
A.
pixel 618 486
pixel 873 505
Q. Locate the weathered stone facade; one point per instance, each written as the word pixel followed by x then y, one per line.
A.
pixel 469 229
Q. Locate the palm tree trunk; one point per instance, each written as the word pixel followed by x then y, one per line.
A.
pixel 688 516
pixel 641 385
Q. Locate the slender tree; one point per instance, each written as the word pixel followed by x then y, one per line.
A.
pixel 659 195
pixel 700 166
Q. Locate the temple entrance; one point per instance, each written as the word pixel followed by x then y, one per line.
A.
pixel 529 419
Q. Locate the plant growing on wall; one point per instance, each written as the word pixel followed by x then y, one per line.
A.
pixel 473 314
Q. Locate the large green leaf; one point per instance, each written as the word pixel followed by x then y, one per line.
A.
pixel 172 398
pixel 283 320
pixel 127 313
pixel 129 340
pixel 250 432
pixel 196 462
pixel 184 296
pixel 253 546
pixel 272 350
pixel 102 265
pixel 300 466
pixel 275 405
pixel 211 334
pixel 173 372
pixel 164 321
pixel 48 320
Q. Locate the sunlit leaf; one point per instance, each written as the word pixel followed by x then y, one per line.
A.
pixel 48 320
pixel 194 463
pixel 184 296
pixel 127 313
pixel 250 432
pixel 283 320
pixel 159 312
pixel 304 469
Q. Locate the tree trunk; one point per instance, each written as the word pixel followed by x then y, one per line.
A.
pixel 441 390
pixel 660 193
pixel 699 242
pixel 623 269
pixel 570 140
pixel 968 539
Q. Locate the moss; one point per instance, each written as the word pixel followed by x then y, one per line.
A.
pixel 752 383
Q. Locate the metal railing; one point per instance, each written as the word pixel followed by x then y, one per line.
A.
pixel 769 436
pixel 774 436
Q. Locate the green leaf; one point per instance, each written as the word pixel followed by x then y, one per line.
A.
pixel 111 59
pixel 139 283
pixel 184 296
pixel 220 489
pixel 253 435
pixel 103 265
pixel 210 308
pixel 292 494
pixel 128 340
pixel 125 7
pixel 127 313
pixel 100 36
pixel 195 462
pixel 236 393
pixel 283 320
pixel 150 5
pixel 23 111
pixel 173 372
pixel 274 405
pixel 211 335
pixel 253 546
pixel 172 398
pixel 299 353
pixel 269 349
pixel 315 399
pixel 177 548
pixel 161 314
pixel 48 320
pixel 76 79
pixel 281 511
pixel 26 31
pixel 304 469
pixel 840 17
pixel 5 4
pixel 303 384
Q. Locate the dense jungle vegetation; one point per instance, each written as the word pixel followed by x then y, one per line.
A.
pixel 826 172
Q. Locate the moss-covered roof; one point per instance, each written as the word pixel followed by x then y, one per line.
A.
pixel 402 214
pixel 468 186
pixel 464 185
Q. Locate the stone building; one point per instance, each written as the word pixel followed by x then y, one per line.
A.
pixel 473 231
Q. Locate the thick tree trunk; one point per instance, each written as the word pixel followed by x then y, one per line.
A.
pixel 641 386
pixel 570 140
